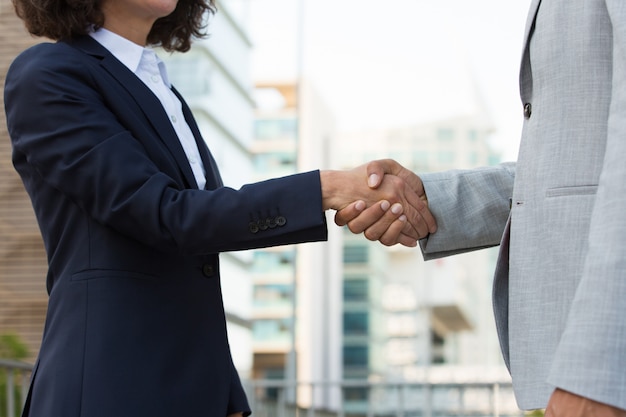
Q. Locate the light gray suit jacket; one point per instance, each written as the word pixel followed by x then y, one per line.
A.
pixel 560 283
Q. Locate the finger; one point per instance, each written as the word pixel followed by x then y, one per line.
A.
pixel 377 169
pixel 418 214
pixel 377 230
pixel 350 212
pixel 410 231
pixel 407 241
pixel 368 217
pixel 393 235
pixel 429 218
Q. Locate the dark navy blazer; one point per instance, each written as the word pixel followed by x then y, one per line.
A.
pixel 135 324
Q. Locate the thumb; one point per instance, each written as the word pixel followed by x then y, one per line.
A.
pixel 376 170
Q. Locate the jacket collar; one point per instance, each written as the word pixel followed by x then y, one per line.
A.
pixel 530 21
pixel 525 76
pixel 144 99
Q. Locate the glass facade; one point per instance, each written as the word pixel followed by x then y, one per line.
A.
pixel 273 295
pixel 266 129
pixel 274 329
pixel 356 323
pixel 355 289
pixel 356 253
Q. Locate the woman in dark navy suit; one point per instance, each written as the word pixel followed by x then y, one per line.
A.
pixel 135 324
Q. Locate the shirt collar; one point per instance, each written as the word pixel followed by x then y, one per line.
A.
pixel 127 52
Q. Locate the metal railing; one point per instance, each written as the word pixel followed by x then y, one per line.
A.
pixel 15 377
pixel 360 398
pixel 347 398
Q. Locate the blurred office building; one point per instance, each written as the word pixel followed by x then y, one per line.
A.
pixel 404 319
pixel 300 341
pixel 365 312
pixel 438 316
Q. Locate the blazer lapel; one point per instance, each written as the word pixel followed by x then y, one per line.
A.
pixel 213 177
pixel 530 20
pixel 145 100
pixel 525 78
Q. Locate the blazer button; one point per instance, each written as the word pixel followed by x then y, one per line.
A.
pixel 208 270
pixel 528 110
pixel 253 227
pixel 263 224
pixel 281 221
pixel 271 222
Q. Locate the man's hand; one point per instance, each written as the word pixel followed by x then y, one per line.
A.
pixel 236 415
pixel 566 404
pixel 391 226
pixel 378 222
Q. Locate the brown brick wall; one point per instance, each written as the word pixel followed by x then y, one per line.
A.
pixel 23 266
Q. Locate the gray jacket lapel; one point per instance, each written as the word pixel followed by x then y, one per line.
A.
pixel 525 79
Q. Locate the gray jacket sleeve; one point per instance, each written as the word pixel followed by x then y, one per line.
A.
pixel 471 208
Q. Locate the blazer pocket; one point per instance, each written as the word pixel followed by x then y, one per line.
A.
pixel 92 274
pixel 571 191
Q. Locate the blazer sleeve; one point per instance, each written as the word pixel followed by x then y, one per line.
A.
pixel 80 136
pixel 471 208
pixel 591 357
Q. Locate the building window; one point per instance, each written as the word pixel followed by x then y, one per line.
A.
pixel 190 74
pixel 437 343
pixel 355 323
pixel 273 261
pixel 274 330
pixel 356 394
pixel 355 356
pixel 272 295
pixel 445 135
pixel 355 289
pixel 275 161
pixel 445 157
pixel 494 160
pixel 472 158
pixel 275 128
pixel 355 254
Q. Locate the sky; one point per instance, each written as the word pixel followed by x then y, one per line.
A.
pixel 394 63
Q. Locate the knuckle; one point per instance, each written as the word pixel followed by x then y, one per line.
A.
pixel 371 235
pixel 354 228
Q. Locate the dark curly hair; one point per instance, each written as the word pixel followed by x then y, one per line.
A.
pixel 66 19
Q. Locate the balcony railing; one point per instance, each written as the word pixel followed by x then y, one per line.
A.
pixel 347 398
pixel 361 398
pixel 14 379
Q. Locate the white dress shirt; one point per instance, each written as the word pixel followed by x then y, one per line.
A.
pixel 150 69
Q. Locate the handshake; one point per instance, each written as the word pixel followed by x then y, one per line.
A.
pixel 390 206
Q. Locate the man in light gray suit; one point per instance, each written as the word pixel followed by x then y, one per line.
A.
pixel 558 214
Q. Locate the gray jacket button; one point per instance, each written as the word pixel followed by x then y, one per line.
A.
pixel 528 110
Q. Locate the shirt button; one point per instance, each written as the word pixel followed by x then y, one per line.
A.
pixel 528 110
pixel 173 118
pixel 192 161
pixel 155 78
